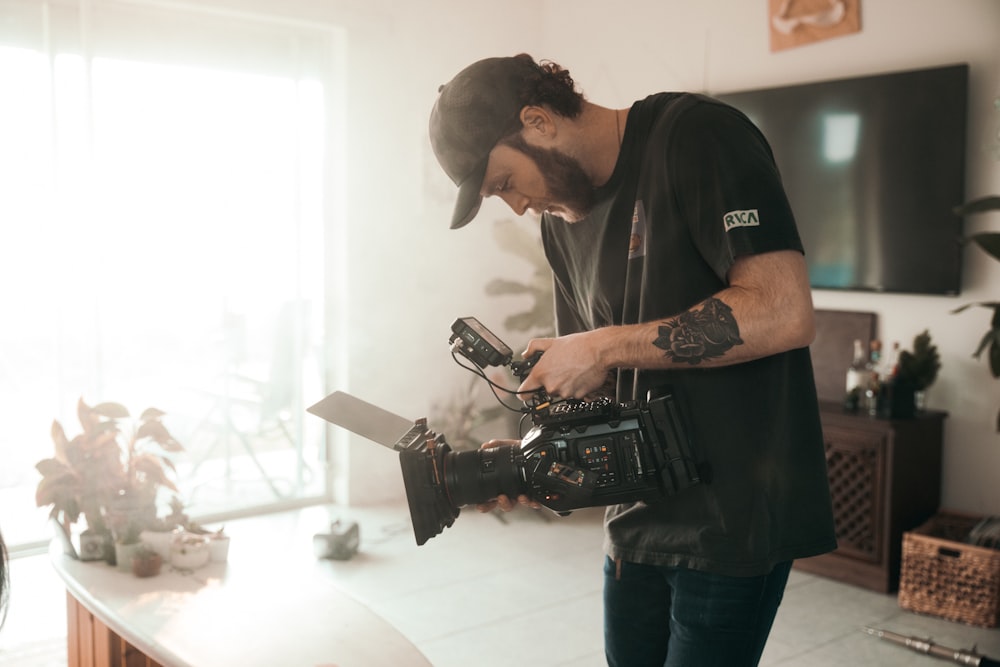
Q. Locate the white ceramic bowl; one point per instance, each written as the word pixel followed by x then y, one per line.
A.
pixel 189 551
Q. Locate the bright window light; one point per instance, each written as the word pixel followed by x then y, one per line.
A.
pixel 161 244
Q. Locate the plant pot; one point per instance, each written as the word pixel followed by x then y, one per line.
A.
pixel 897 400
pixel 124 553
pixel 146 564
pixel 189 551
pixel 218 547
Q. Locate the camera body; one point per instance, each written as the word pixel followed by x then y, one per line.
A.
pixel 603 452
pixel 577 453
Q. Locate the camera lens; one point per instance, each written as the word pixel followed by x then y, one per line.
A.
pixel 480 475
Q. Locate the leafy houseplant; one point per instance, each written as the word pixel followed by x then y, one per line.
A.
pixel 989 242
pixel 920 367
pixel 110 472
pixel 126 542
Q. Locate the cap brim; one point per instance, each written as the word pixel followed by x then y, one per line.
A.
pixel 470 197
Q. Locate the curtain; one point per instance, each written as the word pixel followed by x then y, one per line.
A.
pixel 166 173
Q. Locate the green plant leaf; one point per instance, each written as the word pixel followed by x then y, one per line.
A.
pixel 151 413
pixel 152 469
pixel 995 355
pixel 984 342
pixel 57 489
pixel 984 304
pixel 920 366
pixel 104 427
pixel 988 203
pixel 51 467
pixel 111 410
pixel 988 241
pixel 158 433
pixel 60 441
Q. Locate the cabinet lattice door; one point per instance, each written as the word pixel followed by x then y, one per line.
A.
pixel 855 462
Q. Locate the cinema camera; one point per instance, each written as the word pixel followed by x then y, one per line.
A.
pixel 577 453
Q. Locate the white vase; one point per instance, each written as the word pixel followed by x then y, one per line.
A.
pixel 218 546
pixel 159 541
pixel 124 553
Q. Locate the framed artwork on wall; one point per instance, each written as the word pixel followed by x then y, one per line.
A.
pixel 799 22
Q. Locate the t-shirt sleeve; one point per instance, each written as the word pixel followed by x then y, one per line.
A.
pixel 727 186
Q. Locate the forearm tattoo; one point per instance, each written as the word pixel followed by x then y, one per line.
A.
pixel 698 335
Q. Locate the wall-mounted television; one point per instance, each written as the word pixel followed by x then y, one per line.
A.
pixel 873 167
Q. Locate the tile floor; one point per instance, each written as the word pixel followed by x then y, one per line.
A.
pixel 514 591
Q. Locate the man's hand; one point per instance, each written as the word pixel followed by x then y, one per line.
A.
pixel 571 366
pixel 502 501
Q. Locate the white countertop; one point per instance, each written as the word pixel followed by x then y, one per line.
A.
pixel 268 605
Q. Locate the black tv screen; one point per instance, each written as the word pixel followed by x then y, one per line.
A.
pixel 873 167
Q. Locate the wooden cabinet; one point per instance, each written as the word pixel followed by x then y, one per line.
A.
pixel 885 479
pixel 90 643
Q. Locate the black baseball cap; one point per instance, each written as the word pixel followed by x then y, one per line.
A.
pixel 476 109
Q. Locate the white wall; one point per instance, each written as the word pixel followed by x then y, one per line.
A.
pixel 410 276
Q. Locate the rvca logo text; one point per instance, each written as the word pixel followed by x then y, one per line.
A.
pixel 748 218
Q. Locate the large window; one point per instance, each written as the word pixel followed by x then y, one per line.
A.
pixel 164 179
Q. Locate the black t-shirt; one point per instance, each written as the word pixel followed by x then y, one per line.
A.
pixel 695 187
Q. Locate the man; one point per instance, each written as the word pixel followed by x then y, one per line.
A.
pixel 676 262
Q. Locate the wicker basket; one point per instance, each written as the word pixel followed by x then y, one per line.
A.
pixel 942 576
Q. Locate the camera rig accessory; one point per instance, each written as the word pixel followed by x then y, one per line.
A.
pixel 577 454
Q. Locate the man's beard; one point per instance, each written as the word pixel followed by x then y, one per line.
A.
pixel 568 185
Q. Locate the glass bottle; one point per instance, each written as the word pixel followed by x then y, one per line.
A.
pixel 858 377
pixel 887 382
pixel 873 367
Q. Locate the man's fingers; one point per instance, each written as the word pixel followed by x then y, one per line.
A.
pixel 528 502
pixel 506 504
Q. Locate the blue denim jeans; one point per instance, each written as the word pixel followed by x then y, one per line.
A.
pixel 673 617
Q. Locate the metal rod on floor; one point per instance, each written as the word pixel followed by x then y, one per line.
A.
pixel 960 656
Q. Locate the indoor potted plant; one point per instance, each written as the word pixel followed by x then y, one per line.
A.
pixel 126 544
pixel 919 368
pixel 110 473
pixel 989 242
pixel 159 533
pixel 146 562
pixel 181 525
pixel 189 551
pixel 218 545
pixel 146 447
pixel 81 479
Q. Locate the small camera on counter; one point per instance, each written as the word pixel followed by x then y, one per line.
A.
pixel 341 543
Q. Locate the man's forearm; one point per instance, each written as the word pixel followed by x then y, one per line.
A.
pixel 768 312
